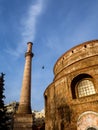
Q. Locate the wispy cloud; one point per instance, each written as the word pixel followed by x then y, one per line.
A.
pixel 29 23
pixel 28 27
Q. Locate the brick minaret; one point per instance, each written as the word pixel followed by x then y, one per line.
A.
pixel 25 99
pixel 23 118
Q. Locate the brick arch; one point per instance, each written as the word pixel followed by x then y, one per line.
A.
pixel 88 121
pixel 91 128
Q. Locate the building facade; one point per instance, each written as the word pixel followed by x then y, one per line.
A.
pixel 38 116
pixel 71 100
pixel 38 120
pixel 11 109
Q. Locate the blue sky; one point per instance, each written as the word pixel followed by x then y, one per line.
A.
pixel 54 26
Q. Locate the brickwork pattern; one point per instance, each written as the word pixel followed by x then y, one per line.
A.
pixel 62 107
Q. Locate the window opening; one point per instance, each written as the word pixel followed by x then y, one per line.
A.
pixel 85 88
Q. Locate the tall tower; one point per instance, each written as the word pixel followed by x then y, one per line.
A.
pixel 23 118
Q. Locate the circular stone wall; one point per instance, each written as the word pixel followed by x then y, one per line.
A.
pixel 74 55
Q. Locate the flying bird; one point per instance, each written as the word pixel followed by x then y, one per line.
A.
pixel 43 67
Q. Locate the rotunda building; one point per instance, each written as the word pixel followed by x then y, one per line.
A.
pixel 71 100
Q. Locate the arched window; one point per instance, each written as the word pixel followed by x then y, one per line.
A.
pixel 82 85
pixel 85 87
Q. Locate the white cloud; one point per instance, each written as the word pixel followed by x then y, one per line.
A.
pixel 28 29
pixel 29 23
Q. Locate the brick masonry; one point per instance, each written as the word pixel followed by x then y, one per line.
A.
pixel 23 119
pixel 63 108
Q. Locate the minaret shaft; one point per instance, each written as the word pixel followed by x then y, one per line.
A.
pixel 25 98
pixel 23 118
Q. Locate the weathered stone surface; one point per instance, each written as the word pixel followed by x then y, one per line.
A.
pixel 23 122
pixel 63 105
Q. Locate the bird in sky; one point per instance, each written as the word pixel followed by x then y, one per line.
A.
pixel 43 67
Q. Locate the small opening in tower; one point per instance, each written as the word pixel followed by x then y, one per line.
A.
pixel 85 46
pixel 72 51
